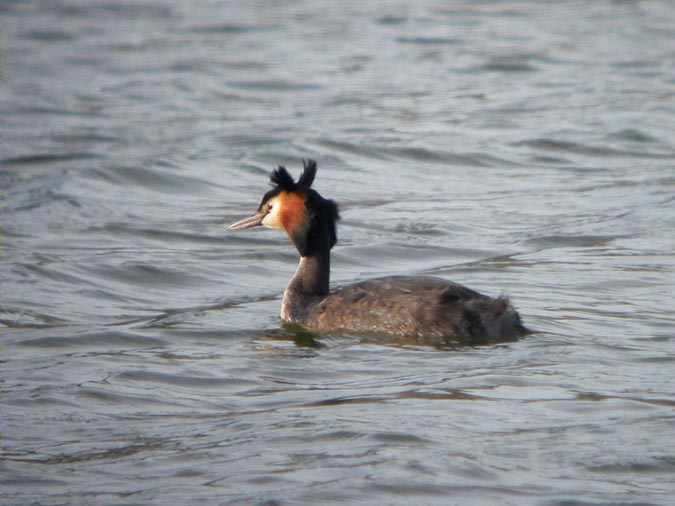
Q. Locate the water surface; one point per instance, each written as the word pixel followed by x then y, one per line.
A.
pixel 524 148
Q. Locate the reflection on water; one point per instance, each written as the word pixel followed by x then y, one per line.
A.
pixel 516 147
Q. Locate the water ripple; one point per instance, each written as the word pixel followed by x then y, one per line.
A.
pixel 590 150
pixel 428 41
pixel 47 158
pixel 103 339
pixel 227 28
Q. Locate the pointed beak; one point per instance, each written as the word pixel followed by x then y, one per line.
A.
pixel 250 222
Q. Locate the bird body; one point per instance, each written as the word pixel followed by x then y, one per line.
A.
pixel 425 308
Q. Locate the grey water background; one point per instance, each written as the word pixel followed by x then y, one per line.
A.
pixel 517 147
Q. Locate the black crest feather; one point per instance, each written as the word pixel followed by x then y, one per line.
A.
pixel 308 174
pixel 283 179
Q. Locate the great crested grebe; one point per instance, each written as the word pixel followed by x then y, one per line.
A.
pixel 419 307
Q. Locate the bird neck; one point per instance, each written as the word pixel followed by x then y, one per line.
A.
pixel 313 274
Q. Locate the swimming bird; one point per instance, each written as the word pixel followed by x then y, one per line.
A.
pixel 424 308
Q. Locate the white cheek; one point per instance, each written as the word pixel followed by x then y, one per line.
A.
pixel 273 219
